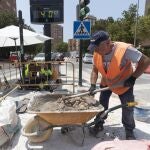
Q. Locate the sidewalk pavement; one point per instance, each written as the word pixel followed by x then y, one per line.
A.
pixel 73 141
pixel 113 130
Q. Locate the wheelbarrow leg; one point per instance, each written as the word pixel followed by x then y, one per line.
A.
pixel 83 131
pixel 66 130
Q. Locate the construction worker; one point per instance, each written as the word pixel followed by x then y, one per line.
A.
pixel 114 62
pixel 45 73
pixel 30 68
pixel 26 70
pixel 30 73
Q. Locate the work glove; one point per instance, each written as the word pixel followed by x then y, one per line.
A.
pixel 130 81
pixel 92 89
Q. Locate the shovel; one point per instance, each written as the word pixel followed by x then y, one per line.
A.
pixel 88 92
pixel 5 79
pixel 85 93
pixel 3 97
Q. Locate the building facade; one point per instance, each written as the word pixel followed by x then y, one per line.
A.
pixel 57 34
pixel 146 42
pixel 147 7
pixel 92 19
pixel 73 45
pixel 8 5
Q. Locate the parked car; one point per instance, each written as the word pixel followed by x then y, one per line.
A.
pixel 14 56
pixel 39 57
pixel 88 58
pixel 27 57
pixel 77 57
pixel 57 57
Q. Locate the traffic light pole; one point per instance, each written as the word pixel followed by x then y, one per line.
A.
pixel 80 50
pixel 80 62
pixel 82 11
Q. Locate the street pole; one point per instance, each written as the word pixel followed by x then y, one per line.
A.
pixel 47 44
pixel 136 23
pixel 80 62
pixel 21 45
pixel 21 35
pixel 80 49
pixel 82 11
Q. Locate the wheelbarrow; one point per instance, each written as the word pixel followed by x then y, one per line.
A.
pixel 40 127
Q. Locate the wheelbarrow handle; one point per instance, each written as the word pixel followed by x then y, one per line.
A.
pixel 105 113
pixel 129 104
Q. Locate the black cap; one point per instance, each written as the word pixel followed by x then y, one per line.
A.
pixel 97 38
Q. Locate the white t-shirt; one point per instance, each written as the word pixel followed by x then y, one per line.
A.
pixel 131 54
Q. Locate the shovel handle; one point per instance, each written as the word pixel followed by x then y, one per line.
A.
pixel 86 93
pixel 98 90
pixel 3 97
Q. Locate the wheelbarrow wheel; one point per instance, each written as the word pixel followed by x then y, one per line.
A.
pixel 33 130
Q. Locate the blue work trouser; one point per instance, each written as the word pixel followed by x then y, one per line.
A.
pixel 127 112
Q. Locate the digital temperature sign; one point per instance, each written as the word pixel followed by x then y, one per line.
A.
pixel 46 11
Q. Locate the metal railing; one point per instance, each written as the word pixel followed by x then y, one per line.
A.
pixel 48 75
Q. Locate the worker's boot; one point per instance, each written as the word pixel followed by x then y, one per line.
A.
pixel 95 130
pixel 130 135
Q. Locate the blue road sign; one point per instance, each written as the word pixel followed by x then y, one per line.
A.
pixel 81 30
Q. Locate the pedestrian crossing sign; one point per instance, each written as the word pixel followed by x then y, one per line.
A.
pixel 81 30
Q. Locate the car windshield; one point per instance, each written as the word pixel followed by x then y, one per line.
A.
pixel 14 53
pixel 40 55
pixel 88 55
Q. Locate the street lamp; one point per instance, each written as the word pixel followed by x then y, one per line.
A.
pixel 136 23
pixel 14 38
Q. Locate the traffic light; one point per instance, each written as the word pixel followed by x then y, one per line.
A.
pixel 84 9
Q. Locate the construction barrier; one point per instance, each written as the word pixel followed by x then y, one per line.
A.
pixel 48 75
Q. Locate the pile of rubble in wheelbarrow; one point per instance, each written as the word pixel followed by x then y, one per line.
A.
pixel 60 103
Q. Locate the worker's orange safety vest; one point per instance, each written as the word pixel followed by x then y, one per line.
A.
pixel 115 74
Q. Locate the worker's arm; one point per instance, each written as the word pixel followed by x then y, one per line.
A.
pixel 143 63
pixel 93 79
pixel 94 75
